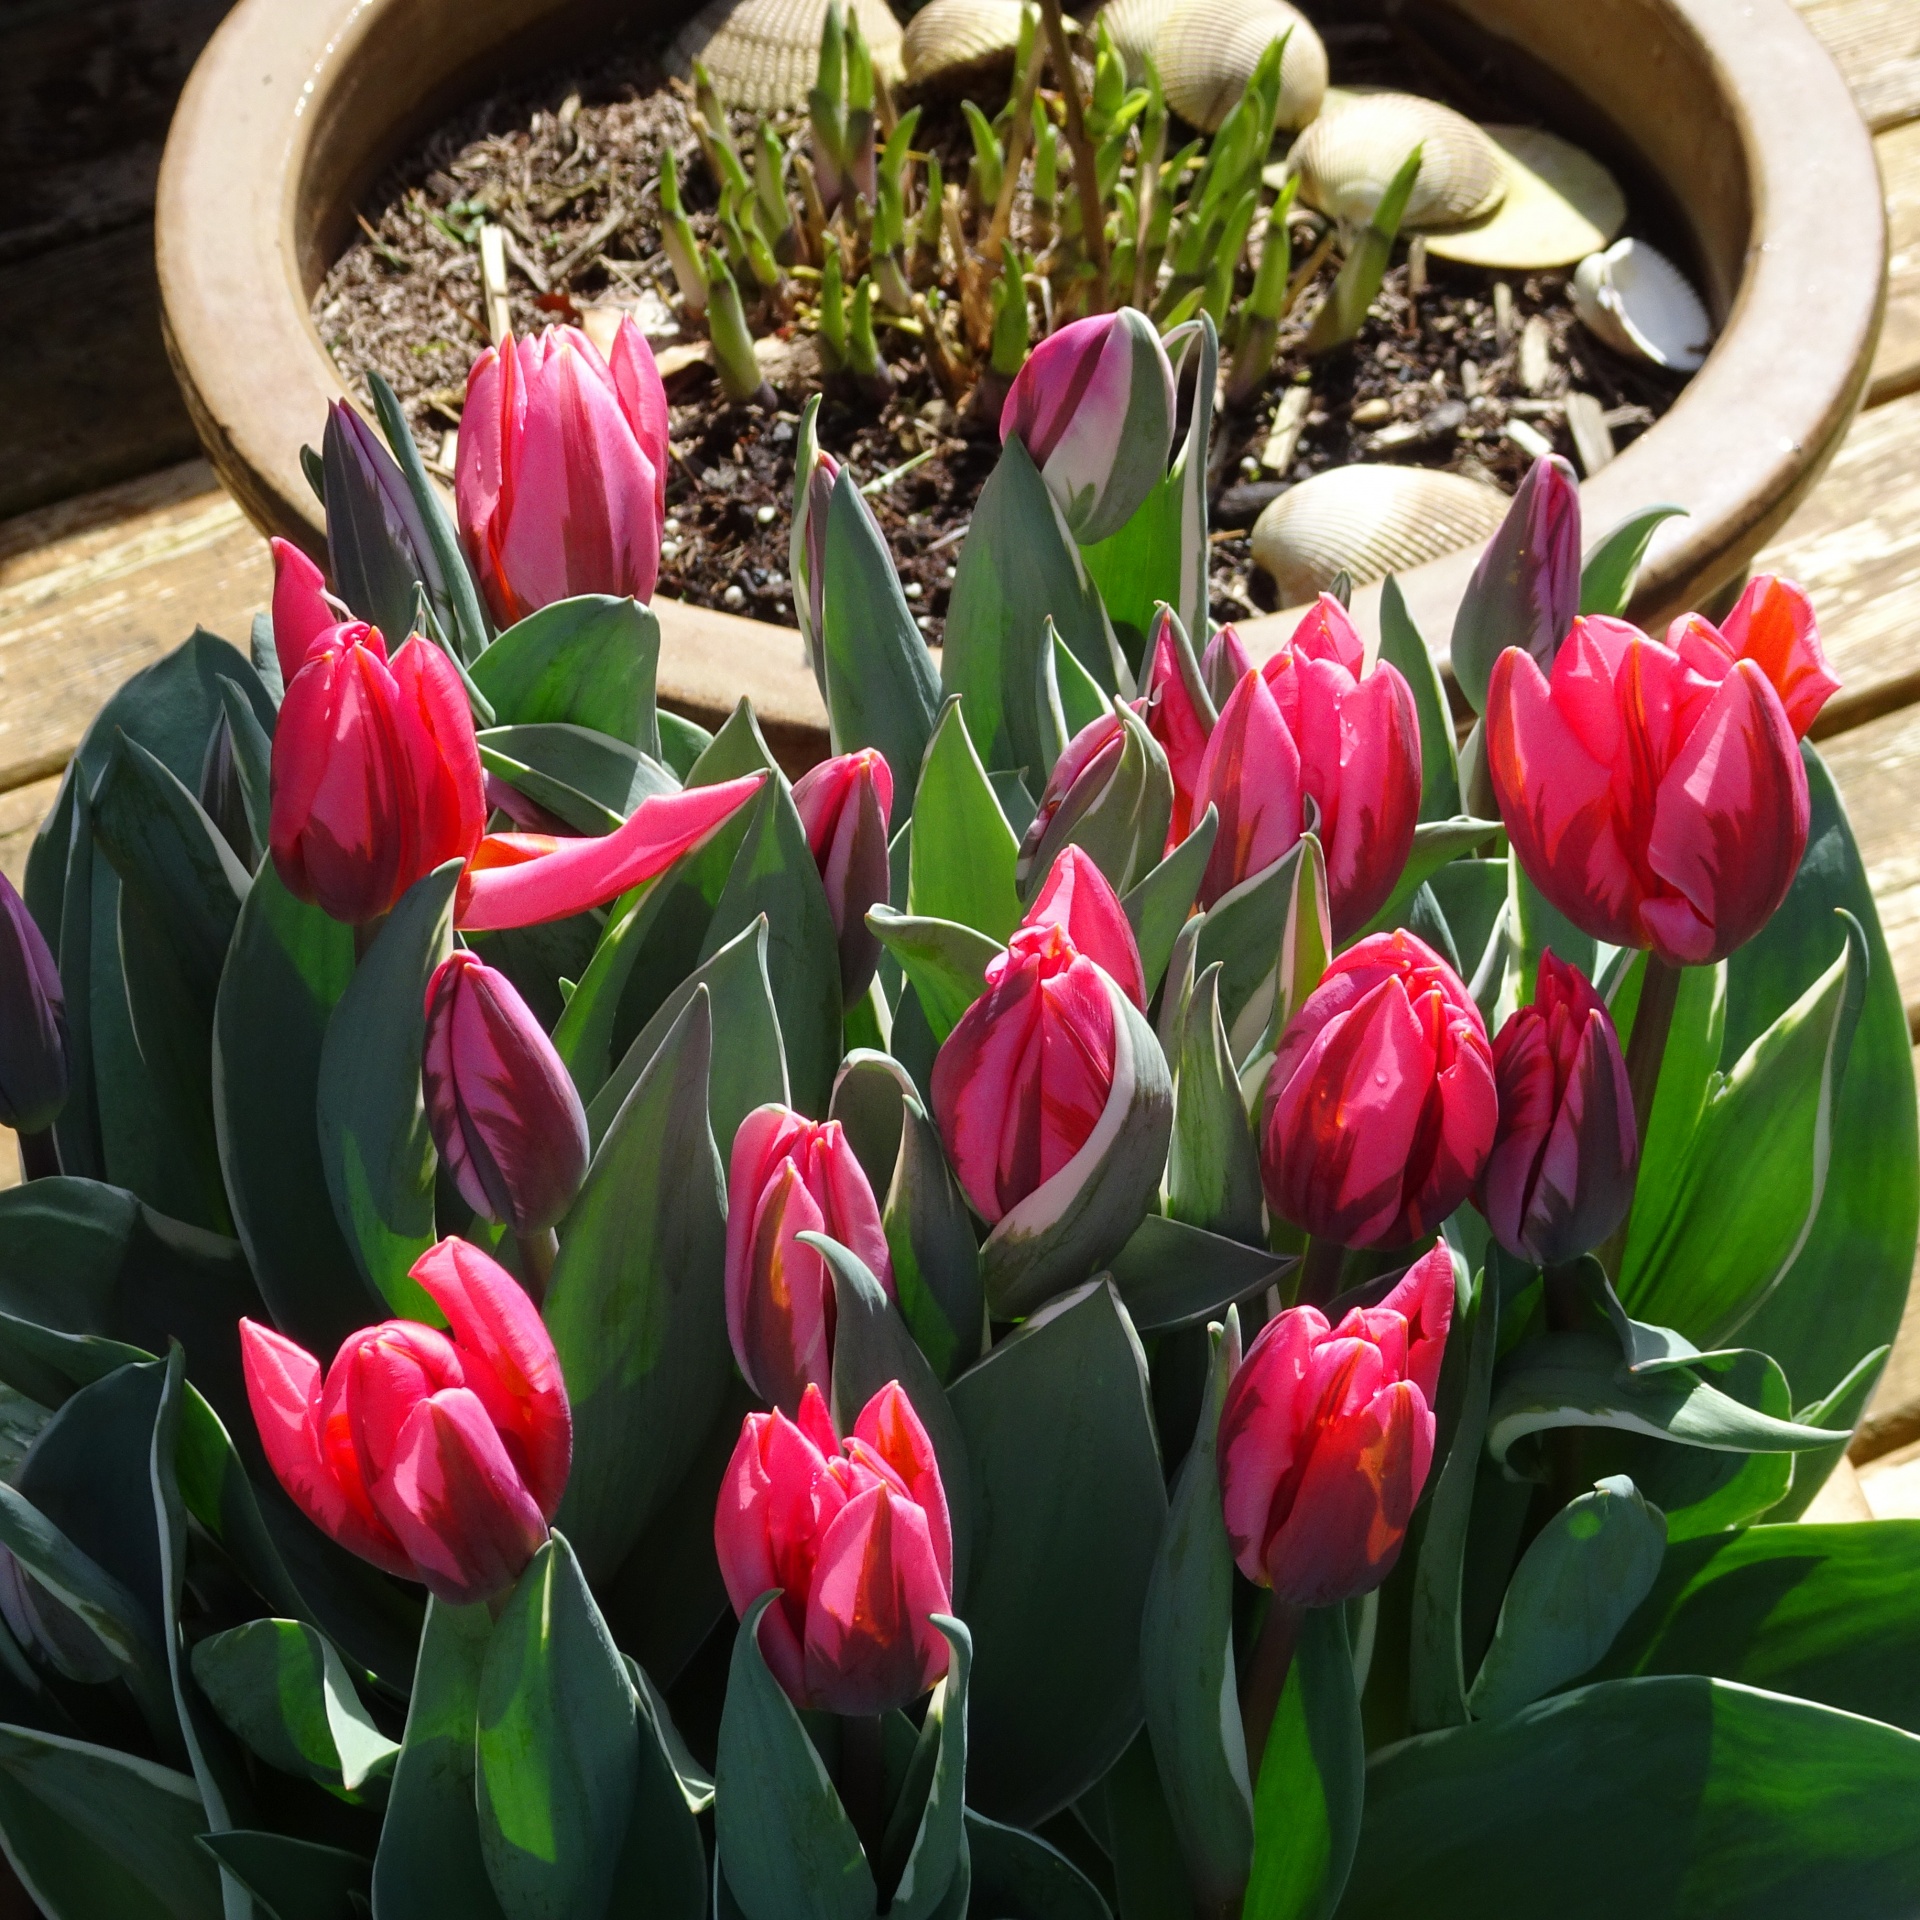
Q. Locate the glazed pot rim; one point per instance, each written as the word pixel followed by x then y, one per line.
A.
pixel 1744 441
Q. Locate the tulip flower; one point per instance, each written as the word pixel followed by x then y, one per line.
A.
pixel 1110 793
pixel 35 1065
pixel 1179 716
pixel 303 610
pixel 788 1176
pixel 1326 1436
pixel 561 482
pixel 1094 407
pixel 1029 1072
pixel 1773 625
pixel 1560 1177
pixel 1655 797
pixel 857 1540
pixel 1380 1106
pixel 378 546
pixel 440 1457
pixel 1525 592
pixel 501 1104
pixel 376 782
pixel 807 549
pixel 845 804
pixel 1224 661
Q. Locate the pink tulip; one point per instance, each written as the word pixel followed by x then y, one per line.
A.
pixel 1773 625
pixel 440 1457
pixel 561 482
pixel 807 554
pixel 1023 1079
pixel 500 1102
pixel 790 1176
pixel 1176 721
pixel 845 804
pixel 857 1540
pixel 1326 1437
pixel 303 611
pixel 1560 1176
pixel 1251 774
pixel 1655 797
pixel 1380 1107
pixel 1224 661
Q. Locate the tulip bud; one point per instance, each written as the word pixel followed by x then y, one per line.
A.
pixel 502 1106
pixel 1773 625
pixel 844 804
pixel 814 473
pixel 857 1539
pixel 303 611
pixel 1094 407
pixel 437 1456
pixel 1560 1177
pixel 1078 899
pixel 561 484
pixel 1525 592
pixel 1224 662
pixel 35 1065
pixel 789 1176
pixel 1326 1437
pixel 1251 774
pixel 377 543
pixel 1380 1106
pixel 1180 715
pixel 1656 798
pixel 376 773
pixel 1111 794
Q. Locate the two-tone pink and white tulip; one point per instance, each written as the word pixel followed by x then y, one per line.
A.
pixel 844 804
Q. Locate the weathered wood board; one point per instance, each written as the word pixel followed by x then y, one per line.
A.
pixel 1876 45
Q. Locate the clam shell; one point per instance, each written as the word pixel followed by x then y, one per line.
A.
pixel 1132 24
pixel 1368 522
pixel 1561 204
pixel 951 42
pixel 765 54
pixel 1206 50
pixel 1640 303
pixel 1348 157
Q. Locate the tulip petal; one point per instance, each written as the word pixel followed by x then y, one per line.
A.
pixel 1080 898
pixel 1251 772
pixel 1176 722
pixel 1263 1431
pixel 787 1311
pixel 1424 1299
pixel 1773 625
pixel 889 1425
pixel 301 611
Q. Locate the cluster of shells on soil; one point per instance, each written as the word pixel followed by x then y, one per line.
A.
pixel 1505 198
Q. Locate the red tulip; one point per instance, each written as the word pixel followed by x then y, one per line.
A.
pixel 1176 720
pixel 501 1104
pixel 1326 1437
pixel 1251 773
pixel 1560 1176
pixel 1773 625
pixel 1026 1075
pixel 561 482
pixel 790 1176
pixel 858 1542
pixel 1655 797
pixel 303 610
pixel 1380 1108
pixel 845 804
pixel 438 1456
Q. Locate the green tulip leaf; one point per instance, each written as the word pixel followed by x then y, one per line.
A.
pixel 1171 1274
pixel 1213 1171
pixel 294 1879
pixel 1402 646
pixel 1243 932
pixel 1157 908
pixel 682 742
pixel 1070 698
pixel 585 662
pixel 590 780
pixel 1839 1410
pixel 663 1862
pixel 1613 561
pixel 961 855
pixel 946 961
pixel 929 1819
pixel 936 1263
pixel 1435 843
pixel 1018 1876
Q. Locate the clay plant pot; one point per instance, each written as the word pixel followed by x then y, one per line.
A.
pixel 1728 108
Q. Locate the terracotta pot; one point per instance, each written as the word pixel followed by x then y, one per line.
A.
pixel 1728 106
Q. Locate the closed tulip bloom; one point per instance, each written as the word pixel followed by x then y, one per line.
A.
pixel 1560 1176
pixel 1111 794
pixel 376 773
pixel 844 804
pixel 789 1176
pixel 561 482
pixel 1326 1436
pixel 1176 719
pixel 1773 625
pixel 303 611
pixel 1380 1106
pixel 378 547
pixel 856 1538
pixel 807 554
pixel 1078 898
pixel 440 1457
pixel 34 1060
pixel 1224 661
pixel 1093 406
pixel 1251 774
pixel 502 1106
pixel 1657 798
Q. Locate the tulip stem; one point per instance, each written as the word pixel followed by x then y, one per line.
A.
pixel 39 1157
pixel 863 1780
pixel 1319 1272
pixel 1266 1678
pixel 1646 1048
pixel 538 1252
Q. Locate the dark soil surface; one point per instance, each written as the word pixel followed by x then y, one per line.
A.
pixel 568 165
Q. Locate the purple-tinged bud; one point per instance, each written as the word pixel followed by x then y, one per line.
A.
pixel 377 541
pixel 34 1064
pixel 502 1106
pixel 844 804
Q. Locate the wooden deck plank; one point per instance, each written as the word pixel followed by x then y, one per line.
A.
pixel 1877 769
pixel 1876 45
pixel 1896 362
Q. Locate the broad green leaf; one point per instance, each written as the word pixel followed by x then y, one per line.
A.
pixel 294 1879
pixel 1839 1409
pixel 961 857
pixel 374 1140
pixel 1435 842
pixel 59 892
pixel 881 687
pixel 870 1095
pixel 936 1262
pixel 1586 1570
pixel 1402 646
pixel 787 1849
pixel 693 1781
pixel 1137 1831
pixel 556 1752
pixel 1071 698
pixel 662 1871
pixel 1243 931
pixel 1613 561
pixel 429 1860
pixel 635 1305
pixel 1668 1799
pixel 1171 1274
pixel 1187 1678
pixel 946 962
pixel 682 742
pixel 1213 1170
pixel 934 1830
pixel 585 662
pixel 1472 896
pixel 590 780
pixel 1066 1478
pixel 1307 1800
pixel 1018 1876
pixel 1158 907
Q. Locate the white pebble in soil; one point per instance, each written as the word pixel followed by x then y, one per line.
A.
pixel 670 526
pixel 765 515
pixel 912 589
pixel 735 596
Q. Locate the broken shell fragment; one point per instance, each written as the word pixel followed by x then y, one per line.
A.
pixel 950 44
pixel 1347 159
pixel 1561 204
pixel 765 54
pixel 1368 522
pixel 1638 302
pixel 1206 50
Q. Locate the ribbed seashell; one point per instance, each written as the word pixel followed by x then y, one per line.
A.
pixel 1561 204
pixel 765 54
pixel 1206 51
pixel 950 42
pixel 1132 25
pixel 1368 522
pixel 1347 159
pixel 1640 303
